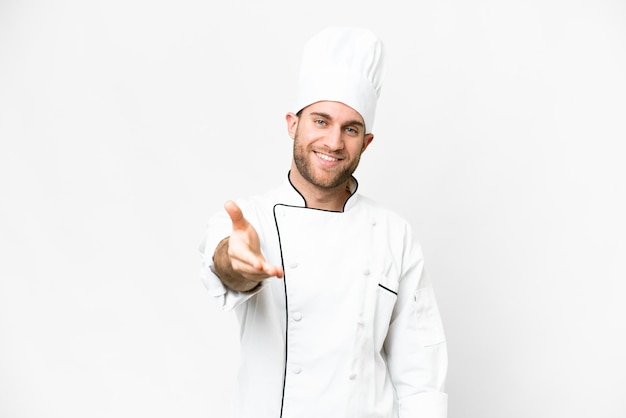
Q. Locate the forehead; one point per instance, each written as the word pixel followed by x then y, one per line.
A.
pixel 335 110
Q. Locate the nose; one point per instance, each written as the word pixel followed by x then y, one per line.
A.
pixel 334 139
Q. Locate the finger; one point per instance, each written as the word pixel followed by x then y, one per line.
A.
pixel 257 269
pixel 251 264
pixel 272 270
pixel 235 214
pixel 248 270
pixel 248 260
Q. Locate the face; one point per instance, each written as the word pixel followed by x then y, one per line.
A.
pixel 329 138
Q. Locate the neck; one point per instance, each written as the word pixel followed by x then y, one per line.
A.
pixel 320 197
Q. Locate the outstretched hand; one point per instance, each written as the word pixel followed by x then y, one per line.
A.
pixel 244 248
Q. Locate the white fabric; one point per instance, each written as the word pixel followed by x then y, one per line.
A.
pixel 352 331
pixel 343 65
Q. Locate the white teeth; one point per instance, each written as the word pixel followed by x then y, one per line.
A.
pixel 326 157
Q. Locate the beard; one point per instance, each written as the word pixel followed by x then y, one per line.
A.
pixel 326 179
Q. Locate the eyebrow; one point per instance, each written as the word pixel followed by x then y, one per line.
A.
pixel 327 116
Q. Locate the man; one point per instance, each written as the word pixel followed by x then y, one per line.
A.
pixel 337 315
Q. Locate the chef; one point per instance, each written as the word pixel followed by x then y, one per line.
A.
pixel 337 314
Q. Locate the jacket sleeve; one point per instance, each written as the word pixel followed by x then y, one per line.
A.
pixel 415 344
pixel 219 227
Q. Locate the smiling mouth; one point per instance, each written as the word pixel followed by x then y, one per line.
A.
pixel 326 157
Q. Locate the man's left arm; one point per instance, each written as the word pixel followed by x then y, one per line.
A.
pixel 415 345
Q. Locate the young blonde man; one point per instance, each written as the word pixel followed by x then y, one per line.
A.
pixel 338 316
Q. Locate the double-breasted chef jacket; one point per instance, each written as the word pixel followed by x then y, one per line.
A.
pixel 353 328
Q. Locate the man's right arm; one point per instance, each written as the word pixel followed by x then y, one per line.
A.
pixel 237 259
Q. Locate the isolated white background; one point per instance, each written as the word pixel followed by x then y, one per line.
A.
pixel 125 123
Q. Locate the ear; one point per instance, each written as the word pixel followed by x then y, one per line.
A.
pixel 366 141
pixel 292 124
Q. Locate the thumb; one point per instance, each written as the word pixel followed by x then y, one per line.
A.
pixel 235 214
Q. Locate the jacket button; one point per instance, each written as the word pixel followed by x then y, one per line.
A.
pixel 366 272
pixel 297 316
pixel 293 265
pixel 297 370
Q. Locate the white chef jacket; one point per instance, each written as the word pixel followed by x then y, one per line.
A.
pixel 353 329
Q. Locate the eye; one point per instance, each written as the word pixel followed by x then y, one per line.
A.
pixel 320 122
pixel 352 131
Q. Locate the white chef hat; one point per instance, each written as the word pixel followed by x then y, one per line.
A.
pixel 343 65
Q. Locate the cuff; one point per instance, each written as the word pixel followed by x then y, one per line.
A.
pixel 227 298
